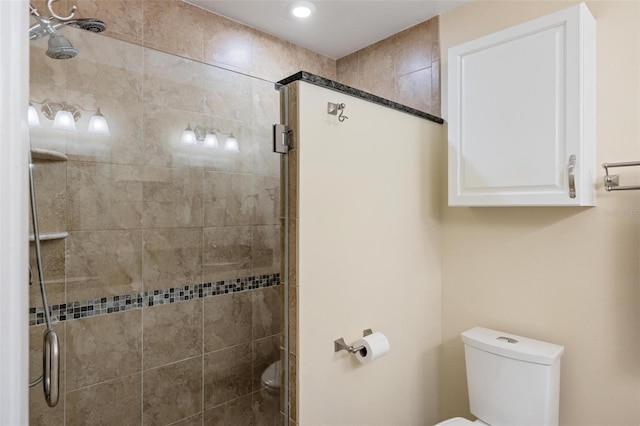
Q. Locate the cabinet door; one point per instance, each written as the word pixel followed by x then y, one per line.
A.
pixel 522 114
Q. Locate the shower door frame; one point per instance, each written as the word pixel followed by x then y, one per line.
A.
pixel 14 91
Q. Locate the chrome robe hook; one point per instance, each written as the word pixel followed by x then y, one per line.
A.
pixel 333 109
pixel 72 11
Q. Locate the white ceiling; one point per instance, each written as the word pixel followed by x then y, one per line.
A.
pixel 338 27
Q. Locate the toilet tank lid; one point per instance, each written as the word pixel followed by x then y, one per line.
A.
pixel 512 346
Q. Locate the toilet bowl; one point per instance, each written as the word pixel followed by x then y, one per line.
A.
pixel 511 380
pixel 271 378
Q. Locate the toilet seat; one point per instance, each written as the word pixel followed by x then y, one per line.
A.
pixel 460 421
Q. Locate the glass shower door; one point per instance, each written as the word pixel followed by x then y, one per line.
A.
pixel 162 246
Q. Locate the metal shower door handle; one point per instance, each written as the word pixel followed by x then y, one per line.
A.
pixel 51 367
pixel 572 176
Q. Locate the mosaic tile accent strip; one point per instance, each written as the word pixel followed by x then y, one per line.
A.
pixel 113 304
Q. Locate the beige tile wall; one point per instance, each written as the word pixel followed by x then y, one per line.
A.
pixel 404 68
pixel 180 28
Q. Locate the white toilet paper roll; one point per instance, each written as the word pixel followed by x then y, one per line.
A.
pixel 375 346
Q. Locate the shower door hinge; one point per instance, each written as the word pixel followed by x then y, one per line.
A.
pixel 281 138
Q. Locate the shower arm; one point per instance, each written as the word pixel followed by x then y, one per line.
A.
pixel 47 25
pixel 33 10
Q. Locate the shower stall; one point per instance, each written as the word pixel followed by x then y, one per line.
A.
pixel 157 233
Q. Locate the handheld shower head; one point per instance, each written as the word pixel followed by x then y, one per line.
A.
pixel 60 47
pixel 90 24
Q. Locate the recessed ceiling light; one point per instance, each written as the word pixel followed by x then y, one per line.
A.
pixel 302 9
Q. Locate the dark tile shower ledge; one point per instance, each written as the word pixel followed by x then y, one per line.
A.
pixel 342 88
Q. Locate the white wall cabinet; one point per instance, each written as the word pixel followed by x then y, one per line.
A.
pixel 521 109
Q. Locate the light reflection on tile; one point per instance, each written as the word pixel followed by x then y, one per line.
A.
pixel 172 198
pixel 226 94
pixel 172 82
pixel 266 249
pixel 227 252
pixel 227 42
pixel 106 75
pixel 172 257
pixel 229 199
pixel 103 196
pixel 53 264
pixel 103 263
pixel 414 89
pixel 267 200
pixel 50 181
pixel 273 59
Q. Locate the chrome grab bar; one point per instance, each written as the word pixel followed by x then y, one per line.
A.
pixel 51 367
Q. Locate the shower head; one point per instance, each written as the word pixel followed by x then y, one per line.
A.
pixel 93 25
pixel 60 47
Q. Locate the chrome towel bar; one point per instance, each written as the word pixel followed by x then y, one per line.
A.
pixel 612 182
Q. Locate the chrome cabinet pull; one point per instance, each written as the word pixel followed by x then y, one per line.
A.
pixel 572 176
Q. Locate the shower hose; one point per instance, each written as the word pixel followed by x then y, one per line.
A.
pixel 50 377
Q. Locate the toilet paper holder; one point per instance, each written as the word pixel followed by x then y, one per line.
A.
pixel 341 345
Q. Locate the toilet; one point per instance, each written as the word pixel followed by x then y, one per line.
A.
pixel 271 380
pixel 512 380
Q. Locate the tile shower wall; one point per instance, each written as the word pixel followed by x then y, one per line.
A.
pixel 180 28
pixel 146 214
pixel 404 68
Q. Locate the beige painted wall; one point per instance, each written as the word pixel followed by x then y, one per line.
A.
pixel 565 275
pixel 368 257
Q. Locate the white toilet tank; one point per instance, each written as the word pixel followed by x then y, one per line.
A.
pixel 512 380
